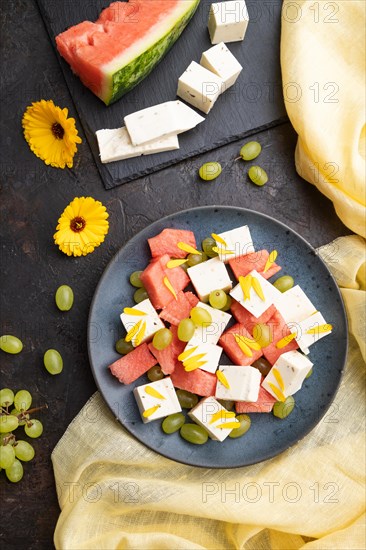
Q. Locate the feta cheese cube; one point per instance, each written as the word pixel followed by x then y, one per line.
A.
pixel 228 21
pixel 222 62
pixel 209 276
pixel 200 87
pixel 148 400
pixel 243 383
pixel 210 414
pixel 148 316
pixel 310 330
pixel 238 240
pixel 211 333
pixel 294 305
pixel 287 374
pixel 255 305
pixel 211 354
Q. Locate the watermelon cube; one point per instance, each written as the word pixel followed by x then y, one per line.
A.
pixel 166 242
pixel 232 349
pixel 247 319
pixel 197 381
pixel 168 357
pixel 264 403
pixel 153 280
pixel 133 365
pixel 242 265
pixel 279 330
pixel 179 309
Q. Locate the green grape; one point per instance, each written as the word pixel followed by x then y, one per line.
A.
pixel 23 419
pixel 22 400
pixel 262 334
pixel 250 150
pixel 10 344
pixel 173 423
pixel 162 339
pixel 257 175
pixel 309 373
pixel 207 246
pixel 135 279
pixel 140 295
pixel 281 409
pixel 210 171
pixel 24 451
pixel 123 347
pixel 8 423
pixel 245 423
pixel 201 316
pixel 53 361
pixel 34 428
pixel 155 373
pixel 229 301
pixel 186 329
pixel 7 456
pixel 187 400
pixel 262 365
pixel 284 283
pixel 217 299
pixel 193 433
pixel 6 397
pixel 15 472
pixel 64 298
pixel 195 259
pixel 227 404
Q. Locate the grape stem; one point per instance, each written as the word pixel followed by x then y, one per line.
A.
pixel 23 414
pixel 7 439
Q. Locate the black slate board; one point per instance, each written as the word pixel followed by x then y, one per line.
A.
pixel 253 103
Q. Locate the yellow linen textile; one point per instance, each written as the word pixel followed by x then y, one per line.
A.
pixel 323 71
pixel 114 493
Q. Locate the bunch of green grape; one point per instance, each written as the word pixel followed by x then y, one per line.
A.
pixel 15 412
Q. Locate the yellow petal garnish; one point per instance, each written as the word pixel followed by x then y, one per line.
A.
pixel 193 359
pixel 187 353
pixel 188 248
pixel 285 341
pixel 245 285
pixel 153 392
pixel 194 366
pixel 140 335
pixel 229 425
pixel 222 378
pixel 320 329
pixel 169 286
pixel 243 346
pixel 133 331
pixel 252 344
pixel 218 239
pixel 271 260
pixel 222 251
pixel 150 411
pixel 133 311
pixel 278 393
pixel 220 415
pixel 175 263
pixel 278 377
pixel 258 289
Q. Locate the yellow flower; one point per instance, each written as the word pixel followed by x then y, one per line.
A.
pixel 81 227
pixel 50 134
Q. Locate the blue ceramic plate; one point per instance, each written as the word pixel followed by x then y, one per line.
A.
pixel 268 436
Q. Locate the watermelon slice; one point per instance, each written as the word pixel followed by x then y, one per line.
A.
pixel 179 309
pixel 133 365
pixel 244 317
pixel 166 242
pixel 122 47
pixel 242 265
pixel 168 357
pixel 232 349
pixel 153 280
pixel 279 330
pixel 197 381
pixel 264 403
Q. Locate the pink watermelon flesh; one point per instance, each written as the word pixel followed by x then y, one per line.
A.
pixel 279 330
pixel 197 381
pixel 264 403
pixel 133 365
pixel 242 265
pixel 166 242
pixel 231 348
pixel 179 309
pixel 244 317
pixel 152 278
pixel 168 357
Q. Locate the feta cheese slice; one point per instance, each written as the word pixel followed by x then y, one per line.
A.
pixel 200 87
pixel 160 121
pixel 287 374
pixel 156 400
pixel 255 305
pixel 222 62
pixel 211 333
pixel 243 383
pixel 149 320
pixel 238 241
pixel 115 144
pixel 294 305
pixel 209 276
pixel 228 21
pixel 210 414
pixel 310 330
pixel 210 354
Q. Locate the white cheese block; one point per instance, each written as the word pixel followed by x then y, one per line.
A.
pixel 211 333
pixel 200 87
pixel 238 241
pixel 287 374
pixel 228 21
pixel 255 305
pixel 203 414
pixel 211 352
pixel 312 323
pixel 145 401
pixel 149 316
pixel 222 62
pixel 294 305
pixel 116 145
pixel 209 276
pixel 243 383
pixel 160 121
